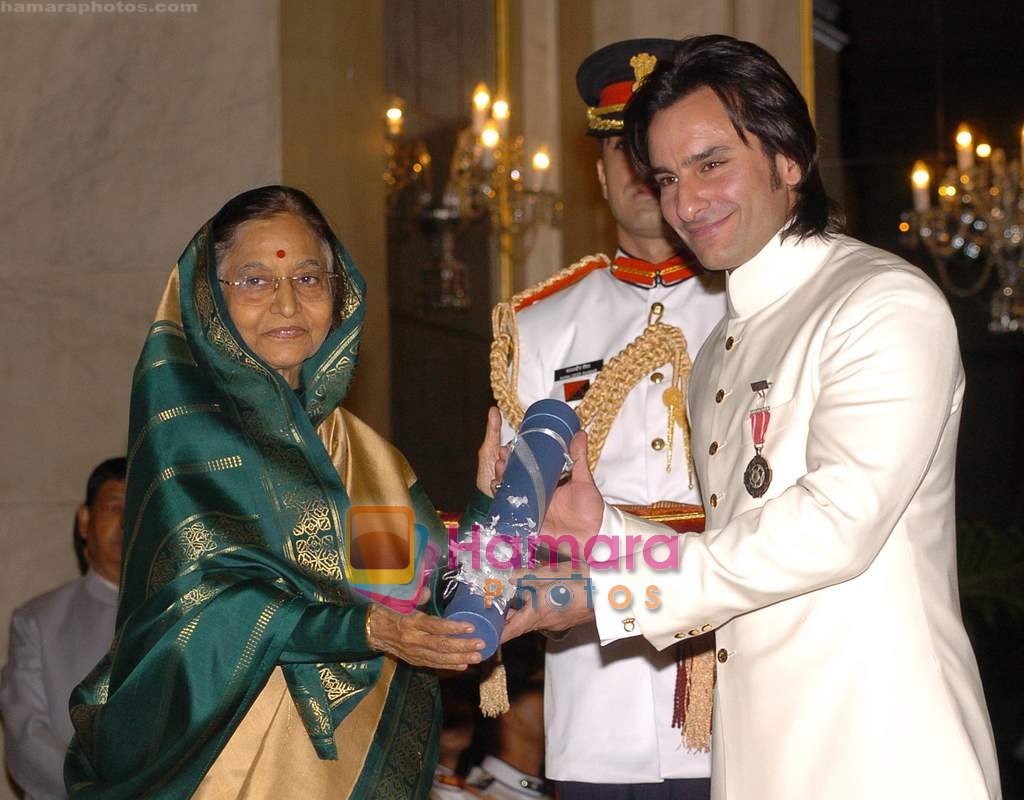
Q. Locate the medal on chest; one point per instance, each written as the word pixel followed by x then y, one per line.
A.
pixel 758 475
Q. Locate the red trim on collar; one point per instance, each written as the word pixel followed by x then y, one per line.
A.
pixel 643 273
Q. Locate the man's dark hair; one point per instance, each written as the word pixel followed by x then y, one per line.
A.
pixel 113 469
pixel 759 97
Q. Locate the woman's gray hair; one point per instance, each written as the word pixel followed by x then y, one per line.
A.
pixel 264 203
pixel 268 202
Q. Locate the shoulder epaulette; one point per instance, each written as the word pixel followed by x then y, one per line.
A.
pixel 560 280
pixel 505 344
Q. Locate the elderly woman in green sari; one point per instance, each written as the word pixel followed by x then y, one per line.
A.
pixel 245 664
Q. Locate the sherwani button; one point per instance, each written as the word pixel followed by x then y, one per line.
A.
pixel 680 635
pixel 723 656
pixel 713 448
pixel 719 395
pixel 658 444
pixel 628 624
pixel 657 377
pixel 695 632
pixel 657 308
pixel 706 627
pixel 730 343
pixel 713 500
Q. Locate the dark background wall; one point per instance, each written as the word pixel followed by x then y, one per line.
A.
pixel 913 70
pixel 436 53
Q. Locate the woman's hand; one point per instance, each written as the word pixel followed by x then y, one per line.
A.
pixel 422 640
pixel 489 453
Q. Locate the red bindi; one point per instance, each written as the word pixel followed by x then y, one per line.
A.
pixel 280 254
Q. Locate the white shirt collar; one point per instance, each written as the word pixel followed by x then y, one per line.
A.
pixel 503 772
pixel 779 268
pixel 100 588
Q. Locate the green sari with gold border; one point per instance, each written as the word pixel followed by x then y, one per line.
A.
pixel 233 574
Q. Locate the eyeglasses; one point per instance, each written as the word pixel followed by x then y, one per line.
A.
pixel 259 287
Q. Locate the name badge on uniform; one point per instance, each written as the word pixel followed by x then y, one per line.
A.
pixel 758 475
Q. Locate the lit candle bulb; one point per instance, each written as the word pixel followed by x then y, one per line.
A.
pixel 948 188
pixel 921 179
pixel 489 138
pixel 481 101
pixel 394 119
pixel 541 164
pixel 964 148
pixel 500 112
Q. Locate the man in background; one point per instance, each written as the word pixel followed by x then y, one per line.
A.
pixel 57 638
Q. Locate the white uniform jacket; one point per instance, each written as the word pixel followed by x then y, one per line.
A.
pixel 608 711
pixel 56 640
pixel 844 671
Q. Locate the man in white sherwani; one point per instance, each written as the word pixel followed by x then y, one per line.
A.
pixel 824 411
pixel 613 338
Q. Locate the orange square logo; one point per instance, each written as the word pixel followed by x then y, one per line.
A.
pixel 380 544
pixel 575 390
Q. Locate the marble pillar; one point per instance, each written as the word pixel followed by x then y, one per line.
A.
pixel 122 133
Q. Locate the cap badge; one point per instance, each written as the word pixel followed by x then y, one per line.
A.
pixel 643 64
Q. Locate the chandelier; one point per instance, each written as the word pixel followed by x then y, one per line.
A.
pixel 976 227
pixel 488 179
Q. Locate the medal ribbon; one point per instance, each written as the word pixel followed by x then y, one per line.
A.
pixel 759 426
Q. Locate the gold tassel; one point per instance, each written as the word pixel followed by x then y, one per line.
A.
pixel 700 679
pixel 494 690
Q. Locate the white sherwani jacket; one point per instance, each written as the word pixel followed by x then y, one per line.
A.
pixel 844 671
pixel 625 736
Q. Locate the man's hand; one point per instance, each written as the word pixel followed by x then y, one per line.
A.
pixel 562 598
pixel 576 507
pixel 490 453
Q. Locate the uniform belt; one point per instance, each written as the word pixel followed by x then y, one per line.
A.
pixel 680 517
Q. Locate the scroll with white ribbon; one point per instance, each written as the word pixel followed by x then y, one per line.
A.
pixel 537 459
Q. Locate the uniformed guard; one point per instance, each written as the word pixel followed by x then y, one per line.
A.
pixel 613 337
